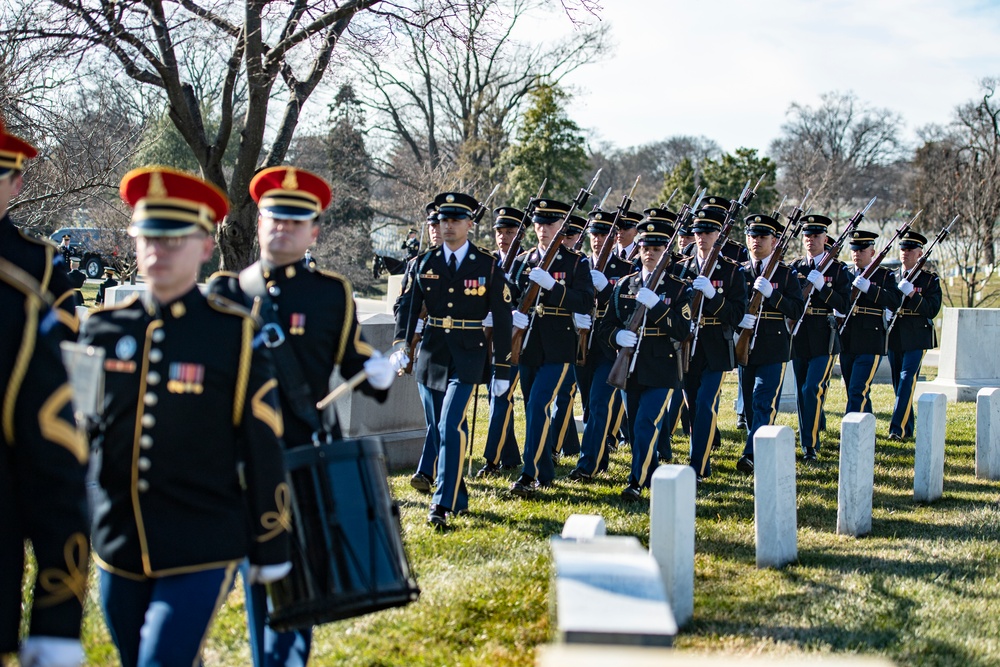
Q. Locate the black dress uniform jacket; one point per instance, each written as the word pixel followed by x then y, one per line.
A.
pixel 772 344
pixel 102 290
pixel 317 314
pixel 865 330
pixel 453 343
pixel 614 271
pixel 188 441
pixel 42 471
pixel 818 335
pixel 552 338
pixel 914 323
pixel 667 323
pixel 42 261
pixel 721 314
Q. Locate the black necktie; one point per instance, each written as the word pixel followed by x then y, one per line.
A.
pixel 452 265
pixel 623 255
pixel 759 268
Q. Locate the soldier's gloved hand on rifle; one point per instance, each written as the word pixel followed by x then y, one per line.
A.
pixel 888 314
pixel 748 321
pixel 380 370
pixel 399 359
pixel 488 320
pixel 704 285
pixel 519 319
pixel 763 285
pixel 647 297
pixel 51 652
pixel 583 320
pixel 862 284
pixel 499 387
pixel 906 287
pixel 266 574
pixel 420 326
pixel 599 279
pixel 626 338
pixel 816 278
pixel 542 278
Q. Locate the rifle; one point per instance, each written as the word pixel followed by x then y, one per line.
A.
pixel 602 262
pixel 670 198
pixel 597 207
pixel 708 266
pixel 831 256
pixel 515 245
pixel 531 296
pixel 625 361
pixel 747 337
pixel 870 269
pixel 912 273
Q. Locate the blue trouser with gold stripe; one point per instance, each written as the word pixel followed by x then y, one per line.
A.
pixel 162 622
pixel 761 387
pixel 676 412
pixel 858 371
pixel 269 647
pixel 501 443
pixel 702 388
pixel 905 367
pixel 603 400
pixel 541 385
pixel 447 410
pixel 565 439
pixel 646 408
pixel 811 380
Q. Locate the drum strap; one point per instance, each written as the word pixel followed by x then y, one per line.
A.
pixel 292 383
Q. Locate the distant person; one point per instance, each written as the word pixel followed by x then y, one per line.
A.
pixel 411 245
pixel 65 250
pixel 109 281
pixel 77 279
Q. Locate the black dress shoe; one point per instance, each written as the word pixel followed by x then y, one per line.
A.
pixel 438 516
pixel 421 482
pixel 741 423
pixel 631 494
pixel 578 475
pixel 524 487
pixel 745 464
pixel 664 459
pixel 488 470
pixel 810 455
pixel 895 437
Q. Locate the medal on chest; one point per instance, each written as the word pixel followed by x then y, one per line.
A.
pixel 297 324
pixel 186 378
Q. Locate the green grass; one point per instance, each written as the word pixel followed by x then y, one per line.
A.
pixel 923 588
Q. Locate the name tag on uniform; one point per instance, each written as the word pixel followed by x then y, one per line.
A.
pixel 119 366
pixel 430 276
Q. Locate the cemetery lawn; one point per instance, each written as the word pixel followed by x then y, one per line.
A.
pixel 923 588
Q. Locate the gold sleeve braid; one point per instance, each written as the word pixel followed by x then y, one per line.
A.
pixel 31 306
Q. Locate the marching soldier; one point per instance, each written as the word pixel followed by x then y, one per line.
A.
pixel 187 452
pixel 657 371
pixel 550 341
pixel 912 331
pixel 761 378
pixel 713 352
pixel 109 281
pixel 625 248
pixel 39 259
pixel 316 315
pixel 42 495
pixel 863 335
pixel 460 284
pixel 818 339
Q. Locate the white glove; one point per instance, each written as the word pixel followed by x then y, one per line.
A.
pixel 816 278
pixel 381 371
pixel 888 314
pixel 599 279
pixel 520 319
pixel 420 326
pixel 582 320
pixel 626 338
pixel 862 284
pixel 906 287
pixel 748 321
pixel 499 387
pixel 488 320
pixel 399 359
pixel 265 574
pixel 837 313
pixel 763 285
pixel 51 652
pixel 704 285
pixel 647 297
pixel 542 278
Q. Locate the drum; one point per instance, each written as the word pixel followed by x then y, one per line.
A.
pixel 347 550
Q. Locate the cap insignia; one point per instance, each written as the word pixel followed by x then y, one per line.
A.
pixel 291 181
pixel 156 189
pixel 450 199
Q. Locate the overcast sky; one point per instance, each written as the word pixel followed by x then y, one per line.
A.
pixel 742 63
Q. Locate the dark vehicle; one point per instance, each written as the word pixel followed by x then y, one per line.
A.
pixel 95 247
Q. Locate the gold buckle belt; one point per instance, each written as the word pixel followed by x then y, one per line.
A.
pixel 907 311
pixel 861 310
pixel 542 311
pixel 653 333
pixel 770 316
pixel 708 321
pixel 451 323
pixel 818 311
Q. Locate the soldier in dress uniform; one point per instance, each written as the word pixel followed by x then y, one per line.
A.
pixel 109 281
pixel 863 336
pixel 625 247
pixel 42 492
pixel 913 332
pixel 657 372
pixel 65 249
pixel 77 279
pixel 713 351
pixel 502 451
pixel 316 314
pixel 764 372
pixel 550 340
pixel 187 452
pixel 40 259
pixel 818 339
pixel 411 245
pixel 460 284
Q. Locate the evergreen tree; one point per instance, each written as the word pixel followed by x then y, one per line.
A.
pixel 684 178
pixel 727 176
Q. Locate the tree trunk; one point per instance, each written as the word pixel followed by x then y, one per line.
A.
pixel 238 237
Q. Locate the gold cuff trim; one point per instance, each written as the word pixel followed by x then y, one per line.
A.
pixel 276 523
pixel 65 585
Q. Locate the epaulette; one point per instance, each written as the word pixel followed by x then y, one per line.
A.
pixel 342 279
pixel 222 275
pixel 129 300
pixel 20 280
pixel 224 305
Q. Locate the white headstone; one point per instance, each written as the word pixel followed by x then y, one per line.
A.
pixel 963 369
pixel 671 535
pixel 928 463
pixel 857 474
pixel 988 433
pixel 775 519
pixel 584 527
